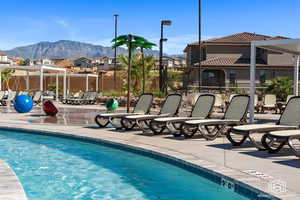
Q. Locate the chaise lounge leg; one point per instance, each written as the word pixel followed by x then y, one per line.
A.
pixel 99 123
pixel 233 141
pixel 270 146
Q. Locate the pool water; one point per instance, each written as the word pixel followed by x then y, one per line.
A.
pixel 57 168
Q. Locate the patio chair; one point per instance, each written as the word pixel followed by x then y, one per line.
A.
pixel 169 108
pixel 210 129
pixel 10 98
pixel 91 98
pixel 290 119
pixel 219 102
pixel 142 106
pixel 73 99
pixel 269 103
pixel 282 107
pixel 201 110
pixel 82 99
pixel 2 96
pixel 37 97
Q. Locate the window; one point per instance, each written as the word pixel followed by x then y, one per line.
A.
pixel 232 76
pixel 213 78
pixel 262 76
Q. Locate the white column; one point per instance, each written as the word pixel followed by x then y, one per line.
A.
pixel 296 76
pixel 56 87
pixel 252 81
pixel 41 82
pixel 69 84
pixel 97 83
pixel 65 85
pixel 87 83
pixel 27 80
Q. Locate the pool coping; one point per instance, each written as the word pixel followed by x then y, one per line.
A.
pixel 10 186
pixel 245 184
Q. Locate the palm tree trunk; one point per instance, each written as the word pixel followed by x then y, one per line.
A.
pixel 129 73
pixel 143 63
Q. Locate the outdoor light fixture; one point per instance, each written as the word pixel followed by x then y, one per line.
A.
pixel 162 71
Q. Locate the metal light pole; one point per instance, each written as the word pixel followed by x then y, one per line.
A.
pixel 162 80
pixel 115 53
pixel 200 50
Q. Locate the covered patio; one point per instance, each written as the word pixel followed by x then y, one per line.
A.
pixel 41 69
pixel 290 46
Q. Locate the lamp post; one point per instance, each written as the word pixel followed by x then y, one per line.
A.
pixel 200 51
pixel 115 53
pixel 162 72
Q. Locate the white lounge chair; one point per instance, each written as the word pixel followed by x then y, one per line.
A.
pixel 235 114
pixel 201 110
pixel 290 119
pixel 170 108
pixel 142 106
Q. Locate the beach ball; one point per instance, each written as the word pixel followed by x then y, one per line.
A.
pixel 112 104
pixel 23 103
pixel 49 108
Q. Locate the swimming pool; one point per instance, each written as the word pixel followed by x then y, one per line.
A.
pixel 61 168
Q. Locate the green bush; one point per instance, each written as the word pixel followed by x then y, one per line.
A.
pixel 281 87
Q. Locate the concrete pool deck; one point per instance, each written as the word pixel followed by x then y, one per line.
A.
pixel 245 164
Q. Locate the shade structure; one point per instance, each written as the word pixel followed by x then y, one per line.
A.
pixel 41 69
pixel 290 46
pixel 86 76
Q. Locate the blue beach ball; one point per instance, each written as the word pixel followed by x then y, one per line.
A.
pixel 23 103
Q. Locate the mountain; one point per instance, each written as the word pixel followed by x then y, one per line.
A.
pixel 66 49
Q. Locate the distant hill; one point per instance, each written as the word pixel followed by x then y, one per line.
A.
pixel 66 49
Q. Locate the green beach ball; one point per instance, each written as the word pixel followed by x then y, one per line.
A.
pixel 112 104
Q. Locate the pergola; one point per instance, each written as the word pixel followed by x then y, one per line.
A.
pixel 86 76
pixel 41 69
pixel 290 46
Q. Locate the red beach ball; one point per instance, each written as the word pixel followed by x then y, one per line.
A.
pixel 49 108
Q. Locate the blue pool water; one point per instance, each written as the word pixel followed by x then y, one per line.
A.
pixel 57 168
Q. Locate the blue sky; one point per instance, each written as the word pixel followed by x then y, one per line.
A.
pixel 25 22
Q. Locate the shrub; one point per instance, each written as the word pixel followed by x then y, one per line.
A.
pixel 281 87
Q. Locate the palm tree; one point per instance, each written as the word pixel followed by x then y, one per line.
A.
pixel 132 42
pixel 137 65
pixel 145 45
pixel 6 75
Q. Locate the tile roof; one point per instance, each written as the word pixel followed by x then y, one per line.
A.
pixel 230 61
pixel 244 37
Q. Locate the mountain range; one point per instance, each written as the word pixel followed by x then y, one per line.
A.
pixel 67 49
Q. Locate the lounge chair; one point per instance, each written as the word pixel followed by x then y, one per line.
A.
pixel 219 102
pixel 142 106
pixel 282 107
pixel 290 119
pixel 210 129
pixel 37 97
pixel 74 99
pixel 2 95
pixel 269 103
pixel 201 110
pixel 170 108
pixel 10 98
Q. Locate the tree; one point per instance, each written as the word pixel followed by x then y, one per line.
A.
pixel 281 87
pixel 132 42
pixel 6 75
pixel 138 72
pixel 144 44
